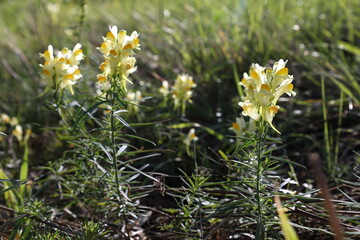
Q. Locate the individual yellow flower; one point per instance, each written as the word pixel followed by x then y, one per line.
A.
pixel 240 127
pixel 250 110
pixel 257 74
pixel 71 77
pixel 14 121
pixel 285 87
pixel 264 95
pixel 164 90
pixel 73 57
pixel 190 137
pixel 5 118
pixel 268 114
pixel 18 133
pixel 103 84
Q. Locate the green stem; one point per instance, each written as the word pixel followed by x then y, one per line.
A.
pixel 113 144
pixel 260 224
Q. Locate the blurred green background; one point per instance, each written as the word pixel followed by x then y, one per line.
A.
pixel 215 42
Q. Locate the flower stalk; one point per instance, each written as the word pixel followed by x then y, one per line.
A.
pixel 263 88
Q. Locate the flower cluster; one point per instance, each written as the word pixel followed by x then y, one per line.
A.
pixel 61 71
pixel 118 50
pixel 263 87
pixel 181 91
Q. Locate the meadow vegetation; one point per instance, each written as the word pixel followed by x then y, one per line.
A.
pixel 185 119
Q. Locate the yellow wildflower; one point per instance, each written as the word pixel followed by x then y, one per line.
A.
pixel 117 50
pixel 5 118
pixel 250 110
pixel 240 127
pixel 263 87
pixel 164 90
pixel 190 137
pixel 18 133
pixel 61 71
pixel 181 90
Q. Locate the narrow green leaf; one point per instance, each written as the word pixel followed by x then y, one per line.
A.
pixel 125 123
pixel 223 155
pixel 288 230
pixel 24 169
pixel 140 138
pixel 86 112
pixel 280 159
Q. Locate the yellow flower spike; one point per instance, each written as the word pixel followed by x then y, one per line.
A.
pixel 181 90
pixel 117 50
pixel 263 87
pixel 61 70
